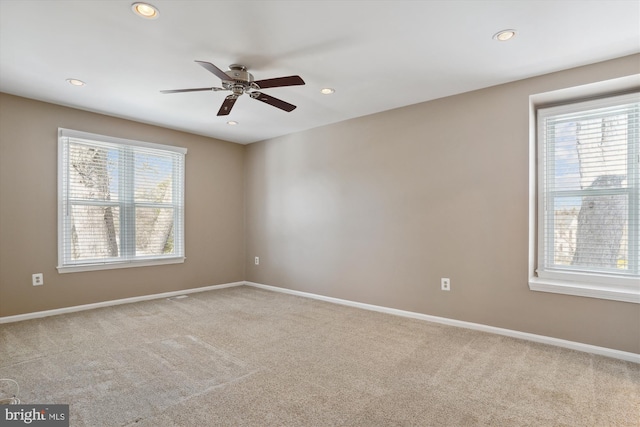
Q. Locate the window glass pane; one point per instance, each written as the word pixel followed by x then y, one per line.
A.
pixel 153 178
pixel 565 224
pixel 565 156
pixel 591 232
pixel 95 232
pixel 590 152
pixel 93 172
pixel 154 231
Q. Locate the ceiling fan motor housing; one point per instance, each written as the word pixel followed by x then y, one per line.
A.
pixel 239 73
pixel 239 79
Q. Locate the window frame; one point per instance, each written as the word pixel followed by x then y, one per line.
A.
pixel 64 264
pixel 595 285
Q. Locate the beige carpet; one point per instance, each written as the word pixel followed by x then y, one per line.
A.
pixel 249 357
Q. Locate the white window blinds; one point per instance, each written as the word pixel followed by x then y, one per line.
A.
pixel 121 202
pixel 589 191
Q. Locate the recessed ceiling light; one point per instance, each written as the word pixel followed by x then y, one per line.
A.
pixel 504 35
pixel 232 123
pixel 145 10
pixel 327 91
pixel 75 82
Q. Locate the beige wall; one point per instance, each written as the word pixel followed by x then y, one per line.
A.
pixel 379 208
pixel 214 211
pixel 374 210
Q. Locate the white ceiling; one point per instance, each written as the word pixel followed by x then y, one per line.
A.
pixel 378 55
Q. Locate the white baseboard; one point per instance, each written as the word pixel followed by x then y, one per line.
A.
pixel 38 314
pixel 587 348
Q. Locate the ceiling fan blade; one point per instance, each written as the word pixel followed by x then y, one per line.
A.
pixel 227 105
pixel 280 81
pixel 215 70
pixel 278 103
pixel 192 90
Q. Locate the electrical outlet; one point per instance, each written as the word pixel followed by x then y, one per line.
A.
pixel 445 284
pixel 37 279
pixel 257 261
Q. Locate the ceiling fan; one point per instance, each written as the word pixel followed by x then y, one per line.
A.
pixel 239 81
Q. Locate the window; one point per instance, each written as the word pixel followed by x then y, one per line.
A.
pixel 588 198
pixel 120 202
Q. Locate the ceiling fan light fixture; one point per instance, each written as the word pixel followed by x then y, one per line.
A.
pixel 75 82
pixel 504 35
pixel 327 91
pixel 145 10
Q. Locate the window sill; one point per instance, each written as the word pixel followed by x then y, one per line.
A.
pixel 116 265
pixel 585 290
